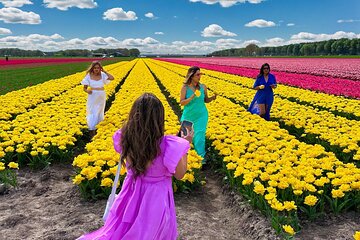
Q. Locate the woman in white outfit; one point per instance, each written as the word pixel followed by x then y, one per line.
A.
pixel 96 77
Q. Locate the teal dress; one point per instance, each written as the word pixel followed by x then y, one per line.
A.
pixel 196 112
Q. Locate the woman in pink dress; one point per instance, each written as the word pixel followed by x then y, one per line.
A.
pixel 145 207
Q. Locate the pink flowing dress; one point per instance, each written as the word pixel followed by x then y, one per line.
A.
pixel 145 207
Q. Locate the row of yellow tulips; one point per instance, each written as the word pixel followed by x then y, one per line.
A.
pixel 53 126
pixel 97 167
pixel 17 102
pixel 278 173
pixel 336 130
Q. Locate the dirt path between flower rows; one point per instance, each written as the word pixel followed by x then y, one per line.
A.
pixel 48 206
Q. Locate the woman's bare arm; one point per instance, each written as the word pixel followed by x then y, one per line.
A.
pixel 181 168
pixel 207 98
pixel 86 90
pixel 183 100
pixel 110 77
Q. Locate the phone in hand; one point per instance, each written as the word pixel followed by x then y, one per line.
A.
pixel 185 127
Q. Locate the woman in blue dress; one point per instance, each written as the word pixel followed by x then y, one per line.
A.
pixel 264 84
pixel 193 97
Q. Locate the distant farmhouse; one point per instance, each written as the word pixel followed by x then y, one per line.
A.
pixel 113 54
pixel 103 55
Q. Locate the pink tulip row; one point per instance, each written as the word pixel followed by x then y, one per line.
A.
pixel 348 68
pixel 329 85
pixel 19 61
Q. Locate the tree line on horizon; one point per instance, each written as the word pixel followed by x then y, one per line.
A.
pixel 342 46
pixel 119 52
pixel 331 47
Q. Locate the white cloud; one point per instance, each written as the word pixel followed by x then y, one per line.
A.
pixel 178 43
pixel 253 41
pixel 118 14
pixel 15 15
pixel 76 41
pixel 274 42
pixel 227 3
pixel 311 37
pixel 40 38
pixel 150 15
pixel 138 42
pixel 15 3
pixel 215 30
pixel 66 4
pixel 5 31
pixel 145 45
pixel 290 24
pixel 260 23
pixel 56 42
pixel 112 40
pixel 149 45
pixel 56 36
pixel 192 47
pixel 29 42
pixel 100 41
pixel 11 39
pixel 227 43
pixel 159 33
pixel 347 20
pixel 51 44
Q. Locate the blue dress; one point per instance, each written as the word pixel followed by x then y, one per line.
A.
pixel 263 96
pixel 195 111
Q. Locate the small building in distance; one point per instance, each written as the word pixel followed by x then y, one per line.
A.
pixel 102 55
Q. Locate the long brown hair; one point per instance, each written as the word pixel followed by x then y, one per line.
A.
pixel 262 69
pixel 92 65
pixel 142 133
pixel 190 73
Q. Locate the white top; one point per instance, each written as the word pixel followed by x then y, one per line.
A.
pixel 95 83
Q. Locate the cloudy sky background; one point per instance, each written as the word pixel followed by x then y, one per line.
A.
pixel 173 26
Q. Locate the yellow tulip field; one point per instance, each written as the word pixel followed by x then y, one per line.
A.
pixel 304 163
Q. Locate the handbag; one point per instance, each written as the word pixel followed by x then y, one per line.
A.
pixel 113 194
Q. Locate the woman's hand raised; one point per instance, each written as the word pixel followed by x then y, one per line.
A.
pixel 189 135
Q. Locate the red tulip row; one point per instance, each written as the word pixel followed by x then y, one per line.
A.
pixel 41 61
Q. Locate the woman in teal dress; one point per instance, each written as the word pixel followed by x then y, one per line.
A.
pixel 193 97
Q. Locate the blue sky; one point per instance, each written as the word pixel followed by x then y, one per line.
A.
pixel 173 26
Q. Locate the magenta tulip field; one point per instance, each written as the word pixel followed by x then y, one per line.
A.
pixel 332 76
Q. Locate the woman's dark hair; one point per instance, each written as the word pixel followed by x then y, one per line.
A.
pixel 262 69
pixel 190 73
pixel 142 133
